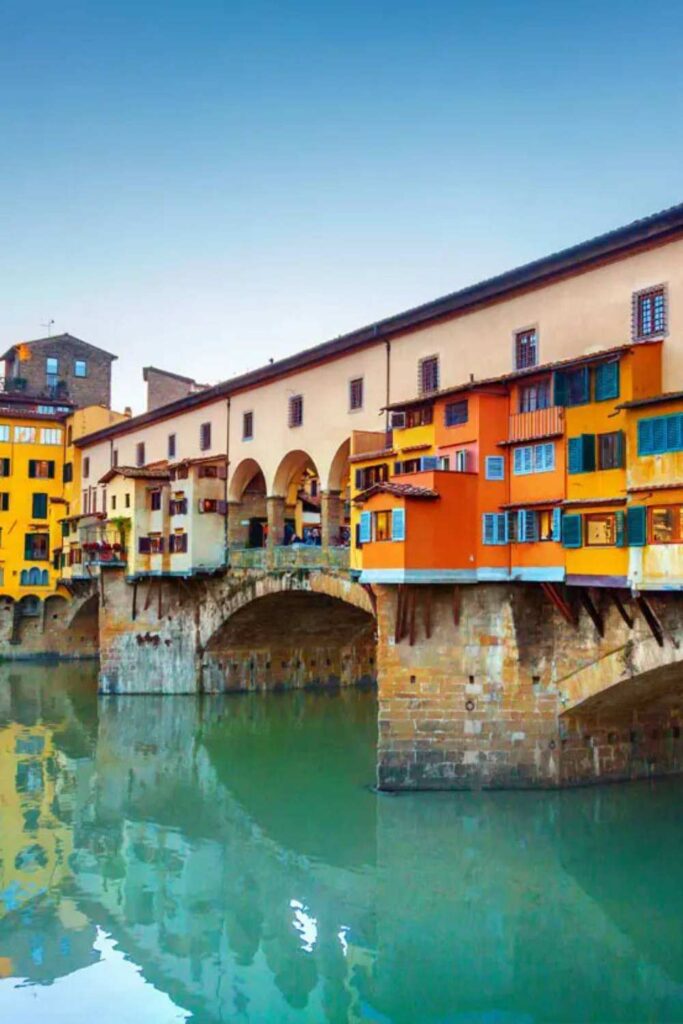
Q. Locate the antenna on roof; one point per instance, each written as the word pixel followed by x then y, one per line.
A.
pixel 48 327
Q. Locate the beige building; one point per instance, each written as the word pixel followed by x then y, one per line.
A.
pixel 295 418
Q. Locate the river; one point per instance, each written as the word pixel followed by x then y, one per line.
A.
pixel 227 859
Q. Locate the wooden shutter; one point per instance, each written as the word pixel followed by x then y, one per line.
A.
pixel 51 470
pixel 28 547
pixel 398 524
pixel 495 467
pixel 674 433
pixel 619 450
pixel 575 455
pixel 572 531
pixel 645 439
pixel 32 468
pixel 557 523
pixel 559 388
pixel 365 527
pixel 489 528
pixel 607 381
pixel 619 529
pixel 658 435
pixel 588 453
pixel 636 526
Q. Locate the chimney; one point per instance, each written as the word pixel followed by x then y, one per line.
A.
pixel 128 412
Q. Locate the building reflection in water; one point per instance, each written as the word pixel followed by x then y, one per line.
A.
pixel 235 852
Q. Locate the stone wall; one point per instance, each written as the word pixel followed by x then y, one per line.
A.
pixel 164 387
pixel 93 389
pixel 62 628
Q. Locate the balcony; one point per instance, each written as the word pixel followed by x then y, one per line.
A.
pixel 294 556
pixel 525 426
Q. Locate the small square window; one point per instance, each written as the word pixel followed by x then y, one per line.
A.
pixel 247 426
pixel 428 375
pixel 650 313
pixel 356 393
pixel 296 410
pixel 456 413
pixel 526 349
pixel 80 368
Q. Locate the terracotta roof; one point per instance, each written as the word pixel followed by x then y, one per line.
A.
pixel 656 487
pixel 136 473
pixel 653 230
pixel 398 491
pixel 416 448
pixel 385 453
pixel 580 502
pixel 533 371
pixel 199 461
pixel 667 396
pixel 533 504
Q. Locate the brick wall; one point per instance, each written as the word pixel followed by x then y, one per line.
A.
pixel 163 387
pixel 93 389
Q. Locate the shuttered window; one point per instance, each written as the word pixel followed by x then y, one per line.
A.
pixel 39 506
pixel 572 530
pixel 398 524
pixel 611 450
pixel 636 525
pixel 528 526
pixel 572 387
pixel 428 375
pixel 296 410
pixel 456 413
pixel 356 393
pixel 365 533
pixel 536 458
pixel 660 434
pixel 41 469
pixel 600 529
pixel 495 467
pixel 205 436
pixel 37 547
pixel 606 381
pixel 581 454
pixel 557 524
pixel 494 528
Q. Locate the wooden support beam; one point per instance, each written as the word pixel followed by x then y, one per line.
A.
pixel 651 619
pixel 557 599
pixel 159 598
pixel 103 599
pixel 621 607
pixel 134 609
pixel 588 603
pixel 456 606
pixel 428 612
pixel 411 631
pixel 148 595
pixel 400 596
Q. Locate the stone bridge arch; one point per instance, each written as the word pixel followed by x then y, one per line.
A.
pixel 291 629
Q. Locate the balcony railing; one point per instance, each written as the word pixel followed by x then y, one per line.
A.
pixel 525 426
pixel 294 556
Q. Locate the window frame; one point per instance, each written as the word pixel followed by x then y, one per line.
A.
pixel 205 436
pixel 460 420
pixel 639 297
pixel 295 411
pixel 422 368
pixel 84 364
pixel 171 445
pixel 140 454
pixel 248 418
pixel 589 517
pixel 540 387
pixel 617 436
pixel 677 531
pixel 357 383
pixel 520 337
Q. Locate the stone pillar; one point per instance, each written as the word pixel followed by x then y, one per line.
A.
pixel 332 514
pixel 275 506
pixel 238 535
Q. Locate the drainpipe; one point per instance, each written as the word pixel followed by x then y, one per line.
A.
pixel 226 554
pixel 387 397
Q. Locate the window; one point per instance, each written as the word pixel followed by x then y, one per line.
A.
pixel 650 313
pixel 659 434
pixel 535 396
pixel 140 453
pixel 155 500
pixel 113 503
pixel 314 488
pixel 5 467
pixel 86 467
pixel 126 499
pixel 50 435
pixel 114 456
pixel 462 461
pixel 171 446
pixel 495 528
pixel 34 578
pixel 80 368
pixel 24 435
pixel 177 543
pixel 577 386
pixel 456 413
pixel 606 381
pixel 178 505
pixel 526 349
pixel 68 472
pixel 51 369
pixel 534 458
pixel 528 526
pixel 428 375
pixel 205 436
pixel 37 547
pixel 247 426
pixel 4 432
pixel 39 506
pixel 214 471
pixel 495 467
pixel 4 501
pixel 600 529
pixel 296 410
pixel 371 475
pixel 665 525
pixel 156 544
pixel 356 393
pixel 581 454
pixel 611 450
pixel 382 526
pixel 41 469
pixel 420 417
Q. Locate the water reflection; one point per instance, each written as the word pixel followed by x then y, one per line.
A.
pixel 227 857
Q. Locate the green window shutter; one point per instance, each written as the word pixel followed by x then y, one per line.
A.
pixel 620 529
pixel 673 433
pixel 572 530
pixel 645 442
pixel 607 381
pixel 620 453
pixel 365 527
pixel 39 506
pixel 32 468
pixel 557 523
pixel 28 547
pixel 636 525
pixel 588 452
pixel 5 467
pixel 559 388
pixel 575 455
pixel 51 470
pixel 398 524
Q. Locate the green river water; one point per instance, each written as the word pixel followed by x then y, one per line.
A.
pixel 226 859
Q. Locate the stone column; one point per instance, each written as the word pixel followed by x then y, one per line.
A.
pixel 332 514
pixel 276 520
pixel 238 535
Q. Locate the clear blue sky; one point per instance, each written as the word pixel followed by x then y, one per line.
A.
pixel 203 185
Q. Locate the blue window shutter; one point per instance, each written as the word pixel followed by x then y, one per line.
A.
pixel 559 388
pixel 502 521
pixel 365 527
pixel 517 462
pixel 636 525
pixel 588 452
pixel 658 435
pixel 585 376
pixel 607 381
pixel 673 433
pixel 398 524
pixel 645 440
pixel 575 455
pixel 495 467
pixel 429 462
pixel 557 523
pixel 572 530
pixel 488 528
pixel 620 529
